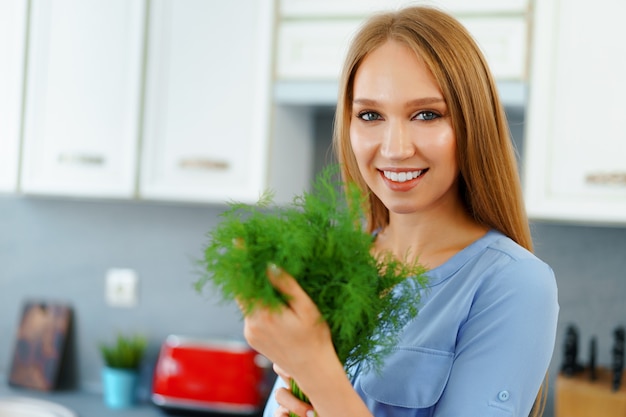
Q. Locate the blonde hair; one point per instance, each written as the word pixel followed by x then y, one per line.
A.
pixel 489 179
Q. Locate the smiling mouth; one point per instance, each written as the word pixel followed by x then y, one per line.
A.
pixel 403 176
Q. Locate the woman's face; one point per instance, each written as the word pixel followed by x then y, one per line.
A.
pixel 401 132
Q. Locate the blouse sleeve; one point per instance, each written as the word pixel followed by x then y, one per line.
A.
pixel 504 348
pixel 272 405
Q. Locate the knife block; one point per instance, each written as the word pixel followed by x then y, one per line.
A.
pixel 577 396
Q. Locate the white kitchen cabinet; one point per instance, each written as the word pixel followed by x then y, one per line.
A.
pixel 313 37
pixel 299 8
pixel 575 142
pixel 208 106
pixel 12 47
pixel 83 90
pixel 314 50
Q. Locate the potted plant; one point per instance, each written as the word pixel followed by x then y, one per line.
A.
pixel 120 374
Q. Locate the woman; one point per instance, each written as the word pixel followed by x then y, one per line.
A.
pixel 419 126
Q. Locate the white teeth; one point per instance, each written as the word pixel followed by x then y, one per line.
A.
pixel 402 176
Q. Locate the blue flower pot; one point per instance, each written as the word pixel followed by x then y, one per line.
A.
pixel 119 387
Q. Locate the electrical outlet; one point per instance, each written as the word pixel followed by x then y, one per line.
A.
pixel 121 287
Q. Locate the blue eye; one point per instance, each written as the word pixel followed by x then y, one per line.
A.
pixel 369 116
pixel 427 115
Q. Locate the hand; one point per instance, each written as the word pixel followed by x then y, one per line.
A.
pixel 299 343
pixel 293 336
pixel 287 401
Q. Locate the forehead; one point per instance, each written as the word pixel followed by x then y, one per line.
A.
pixel 394 70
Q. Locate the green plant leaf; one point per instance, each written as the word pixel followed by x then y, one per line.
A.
pixel 125 353
pixel 318 239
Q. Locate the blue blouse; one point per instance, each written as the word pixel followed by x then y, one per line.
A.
pixel 481 343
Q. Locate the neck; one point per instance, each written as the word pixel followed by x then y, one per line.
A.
pixel 429 239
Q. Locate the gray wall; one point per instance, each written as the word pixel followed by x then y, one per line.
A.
pixel 60 249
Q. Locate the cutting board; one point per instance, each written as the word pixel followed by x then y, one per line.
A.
pixel 39 346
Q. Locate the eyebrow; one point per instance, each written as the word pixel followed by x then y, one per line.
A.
pixel 417 102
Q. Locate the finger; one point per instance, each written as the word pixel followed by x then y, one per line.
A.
pixel 281 412
pixel 282 374
pixel 240 304
pixel 245 308
pixel 285 398
pixel 288 286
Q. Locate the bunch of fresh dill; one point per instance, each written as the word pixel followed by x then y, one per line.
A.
pixel 320 241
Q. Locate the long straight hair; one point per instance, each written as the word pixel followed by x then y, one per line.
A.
pixel 489 179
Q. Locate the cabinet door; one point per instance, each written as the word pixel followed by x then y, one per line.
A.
pixel 82 101
pixel 310 8
pixel 12 47
pixel 207 100
pixel 575 164
pixel 312 50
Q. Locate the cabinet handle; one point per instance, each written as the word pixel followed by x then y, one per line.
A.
pixel 606 178
pixel 81 159
pixel 203 164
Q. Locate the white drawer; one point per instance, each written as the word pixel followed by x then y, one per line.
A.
pixel 313 50
pixel 320 8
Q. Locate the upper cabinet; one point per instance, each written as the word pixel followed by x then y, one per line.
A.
pixel 207 101
pixel 12 47
pixel 363 7
pixel 313 37
pixel 161 99
pixel 575 144
pixel 83 87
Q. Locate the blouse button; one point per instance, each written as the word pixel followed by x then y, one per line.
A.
pixel 503 395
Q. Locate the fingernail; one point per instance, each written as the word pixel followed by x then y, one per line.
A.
pixel 310 413
pixel 238 243
pixel 274 271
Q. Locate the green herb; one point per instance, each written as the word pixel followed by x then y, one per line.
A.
pixel 125 353
pixel 320 241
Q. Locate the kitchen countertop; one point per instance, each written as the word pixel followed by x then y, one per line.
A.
pixel 89 404
pixel 84 404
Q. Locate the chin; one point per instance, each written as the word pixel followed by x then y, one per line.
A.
pixel 401 208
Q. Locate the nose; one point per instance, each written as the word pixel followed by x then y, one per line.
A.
pixel 397 144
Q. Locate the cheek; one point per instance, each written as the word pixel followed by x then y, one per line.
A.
pixel 364 140
pixel 359 145
pixel 444 146
pixel 450 160
pixel 448 152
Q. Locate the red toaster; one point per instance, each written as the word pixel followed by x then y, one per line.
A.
pixel 224 376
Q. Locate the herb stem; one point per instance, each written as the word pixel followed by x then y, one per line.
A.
pixel 295 390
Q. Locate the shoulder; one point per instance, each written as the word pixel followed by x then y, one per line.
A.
pixel 513 272
pixel 517 263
